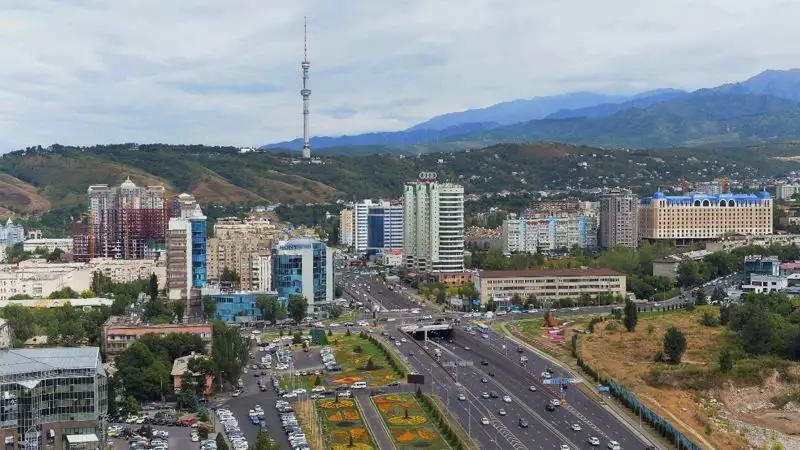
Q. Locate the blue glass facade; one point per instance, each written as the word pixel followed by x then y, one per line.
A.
pixel 375 228
pixel 239 304
pixel 198 241
pixel 300 267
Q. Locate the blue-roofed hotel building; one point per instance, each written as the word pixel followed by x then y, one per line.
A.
pixel 304 267
pixel 698 217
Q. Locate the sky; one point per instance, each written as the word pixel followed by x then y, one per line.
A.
pixel 227 72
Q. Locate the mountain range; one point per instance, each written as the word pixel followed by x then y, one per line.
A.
pixel 763 108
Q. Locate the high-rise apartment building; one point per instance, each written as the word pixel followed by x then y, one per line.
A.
pixel 547 234
pixel 52 398
pixel 433 225
pixel 239 244
pixel 11 233
pixel 377 227
pixel 125 222
pixel 304 267
pixel 346 227
pixel 186 256
pixel 700 217
pixel 786 191
pixel 619 221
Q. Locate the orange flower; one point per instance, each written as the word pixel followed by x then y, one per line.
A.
pixel 427 434
pixel 403 435
pixel 358 433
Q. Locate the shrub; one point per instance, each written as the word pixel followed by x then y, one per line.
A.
pixel 659 356
pixel 708 319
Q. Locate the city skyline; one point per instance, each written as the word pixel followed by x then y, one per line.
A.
pixel 229 75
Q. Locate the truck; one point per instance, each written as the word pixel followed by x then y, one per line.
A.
pixel 437 353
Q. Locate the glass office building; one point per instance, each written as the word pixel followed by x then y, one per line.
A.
pixel 304 267
pixel 52 398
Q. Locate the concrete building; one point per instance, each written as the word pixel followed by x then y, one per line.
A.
pixel 786 191
pixel 31 245
pixel 80 303
pixel 52 398
pixel 3 248
pixel 238 244
pixel 11 234
pixel 709 188
pixel 346 227
pixel 378 227
pixel 125 222
pixel 261 272
pixel 668 266
pixel 548 284
pixel 547 234
pixel 181 366
pixel 39 279
pixel 790 267
pixel 5 335
pixel 688 218
pixel 304 267
pixel 761 265
pixel 433 225
pixel 186 257
pixel 619 219
pixel 765 284
pixel 118 333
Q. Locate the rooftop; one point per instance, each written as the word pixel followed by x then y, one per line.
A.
pixel 181 365
pixel 27 360
pixel 582 272
pixel 57 303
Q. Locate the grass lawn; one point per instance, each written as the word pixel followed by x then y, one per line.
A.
pixel 342 421
pixel 353 365
pixel 408 424
pixel 349 316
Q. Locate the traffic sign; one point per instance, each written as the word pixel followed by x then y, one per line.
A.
pixel 552 381
pixel 602 389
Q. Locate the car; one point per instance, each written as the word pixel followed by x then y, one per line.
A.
pixel 614 445
pixel 546 375
pixel 506 399
pixel 532 388
pixel 484 395
pixel 576 427
pixel 467 348
pixel 491 374
pixel 397 343
pixel 555 402
pixel 594 441
pixel 484 362
pixel 484 380
pixel 403 340
pixel 318 389
pixel 550 407
pixel 484 421
pixel 523 423
pixel 564 447
pixel 493 394
pixel 501 412
pixel 462 397
pixel 394 383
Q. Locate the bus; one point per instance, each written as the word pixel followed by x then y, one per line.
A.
pixel 483 328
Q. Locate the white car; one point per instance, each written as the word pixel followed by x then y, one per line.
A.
pixel 344 394
pixel 484 421
pixel 546 375
pixel 555 402
pixel 290 395
pixel 614 445
pixel 507 399
pixel 564 447
pixel 501 412
pixel 318 389
pixel 397 343
pixel 462 397
pixel 594 441
pixel 403 340
pixel 299 391
pixel 195 438
pixel 532 388
pixel 576 427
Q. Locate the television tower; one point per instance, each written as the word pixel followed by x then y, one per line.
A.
pixel 305 92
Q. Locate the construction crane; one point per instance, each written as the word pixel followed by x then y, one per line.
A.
pixel 724 183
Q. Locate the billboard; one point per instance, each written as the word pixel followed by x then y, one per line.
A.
pixel 414 378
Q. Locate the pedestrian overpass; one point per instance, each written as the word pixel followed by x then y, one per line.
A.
pixel 428 331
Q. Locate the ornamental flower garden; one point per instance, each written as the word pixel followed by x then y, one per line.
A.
pixel 342 425
pixel 408 424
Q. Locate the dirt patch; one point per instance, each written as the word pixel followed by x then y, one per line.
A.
pixel 17 196
pixel 213 189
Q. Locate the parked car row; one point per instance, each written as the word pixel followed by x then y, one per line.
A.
pixel 297 439
pixel 329 360
pixel 231 426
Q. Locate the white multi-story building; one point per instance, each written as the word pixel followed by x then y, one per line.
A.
pixel 433 225
pixel 5 335
pixel 261 266
pixel 546 234
pixel 11 234
pixel 377 227
pixel 786 191
pixel 65 244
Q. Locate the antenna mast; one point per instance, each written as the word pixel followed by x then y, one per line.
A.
pixel 305 92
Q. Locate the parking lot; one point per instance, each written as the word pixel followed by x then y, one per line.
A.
pixel 310 360
pixel 179 438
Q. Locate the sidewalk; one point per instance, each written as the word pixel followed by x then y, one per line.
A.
pixel 372 419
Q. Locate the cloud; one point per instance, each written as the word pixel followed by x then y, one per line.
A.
pixel 227 72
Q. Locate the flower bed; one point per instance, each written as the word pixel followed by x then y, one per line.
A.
pixel 342 424
pixel 407 422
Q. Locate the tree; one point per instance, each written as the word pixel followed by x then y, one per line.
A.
pixel 297 307
pixel 674 345
pixel 179 309
pixel 724 315
pixel 491 305
pixel 209 307
pixel 757 331
pixel 152 287
pixel 516 300
pixel 335 311
pixel 55 255
pixel 718 295
pixel 264 442
pixel 725 361
pixel 370 364
pixel 229 351
pixel 221 444
pixel 229 276
pixel 440 296
pixel 270 307
pixel 631 316
pixel 21 323
pixel 700 298
pixel 297 338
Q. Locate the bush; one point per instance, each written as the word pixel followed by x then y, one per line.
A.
pixel 708 319
pixel 357 349
pixel 330 333
pixel 674 345
pixel 348 332
pixel 659 356
pixel 725 361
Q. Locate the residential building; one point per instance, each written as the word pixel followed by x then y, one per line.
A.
pixel 455 278
pixel 125 222
pixel 786 191
pixel 765 284
pixel 549 284
pixel 687 218
pixel 761 265
pixel 709 188
pixel 80 303
pixel 261 272
pixel 5 335
pixel 64 244
pixel 52 398
pixel 346 227
pixel 3 248
pixel 378 227
pixel 619 219
pixel 119 332
pixel 11 234
pixel 790 267
pixel 39 279
pixel 433 225
pixel 668 266
pixel 181 366
pixel 548 234
pixel 304 267
pixel 237 245
pixel 483 238
pixel 186 257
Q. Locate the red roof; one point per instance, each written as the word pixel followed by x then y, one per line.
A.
pixel 548 273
